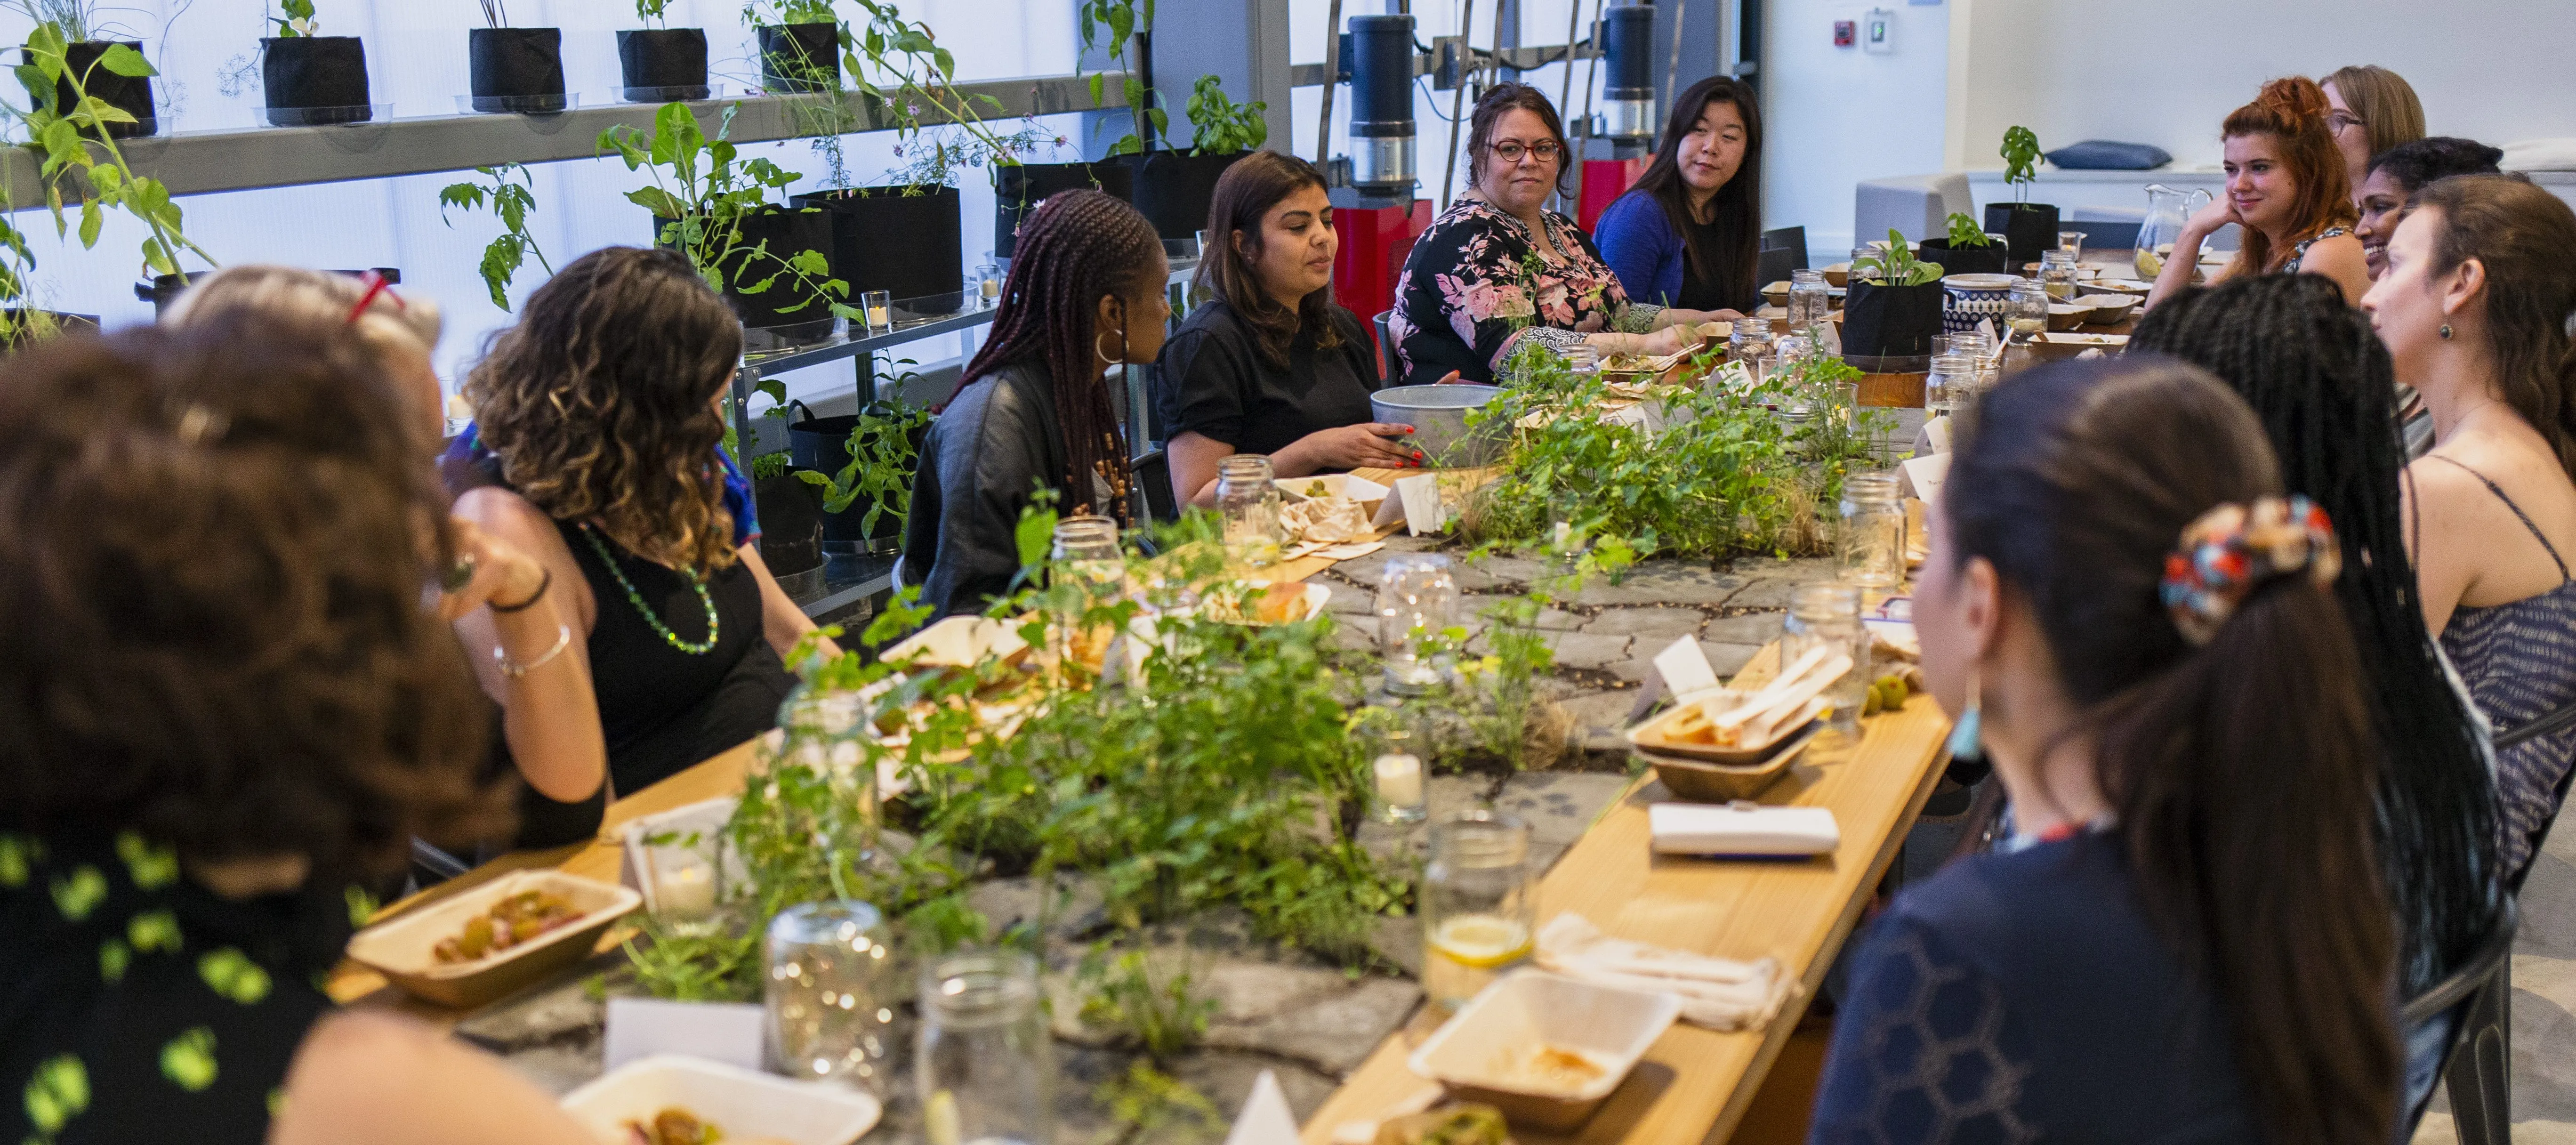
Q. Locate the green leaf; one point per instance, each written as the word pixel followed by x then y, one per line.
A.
pixel 125 61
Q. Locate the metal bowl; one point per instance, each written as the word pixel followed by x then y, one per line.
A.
pixel 1438 415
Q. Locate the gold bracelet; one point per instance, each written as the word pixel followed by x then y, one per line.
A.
pixel 501 656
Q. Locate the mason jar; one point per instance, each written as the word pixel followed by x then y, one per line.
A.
pixel 1750 344
pixel 984 1064
pixel 1416 599
pixel 1826 614
pixel 1810 300
pixel 1478 907
pixel 831 989
pixel 1249 499
pixel 2057 275
pixel 825 731
pixel 1873 533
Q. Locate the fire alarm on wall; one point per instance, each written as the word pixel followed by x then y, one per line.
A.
pixel 1846 32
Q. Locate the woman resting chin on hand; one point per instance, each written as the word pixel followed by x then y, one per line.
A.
pixel 1271 365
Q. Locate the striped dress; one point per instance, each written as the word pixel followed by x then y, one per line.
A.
pixel 2519 660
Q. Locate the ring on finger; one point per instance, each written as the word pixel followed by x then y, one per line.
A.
pixel 459 575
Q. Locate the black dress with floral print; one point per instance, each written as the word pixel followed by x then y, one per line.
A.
pixel 1476 288
pixel 136 1005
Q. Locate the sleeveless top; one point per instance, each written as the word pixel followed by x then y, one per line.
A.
pixel 135 1002
pixel 2519 660
pixel 2299 253
pixel 662 709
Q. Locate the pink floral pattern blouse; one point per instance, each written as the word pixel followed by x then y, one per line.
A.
pixel 1475 287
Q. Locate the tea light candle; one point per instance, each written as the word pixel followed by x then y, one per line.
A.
pixel 877 316
pixel 686 893
pixel 1399 780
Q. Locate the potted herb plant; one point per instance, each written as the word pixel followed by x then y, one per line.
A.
pixel 791 516
pixel 518 70
pixel 1968 249
pixel 120 79
pixel 905 235
pixel 2028 228
pixel 309 79
pixel 863 465
pixel 510 192
pixel 1174 190
pixel 708 204
pixel 1894 305
pixel 661 64
pixel 801 42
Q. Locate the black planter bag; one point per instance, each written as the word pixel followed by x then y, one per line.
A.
pixel 312 80
pixel 822 444
pixel 908 245
pixel 791 517
pixel 800 57
pixel 1174 189
pixel 663 64
pixel 1987 259
pixel 1890 321
pixel 2028 228
pixel 517 70
pixel 19 317
pixel 787 233
pixel 1019 189
pixel 133 94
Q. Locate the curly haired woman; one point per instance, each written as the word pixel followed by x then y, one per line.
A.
pixel 2286 189
pixel 596 446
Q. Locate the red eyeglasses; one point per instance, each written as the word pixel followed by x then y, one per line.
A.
pixel 377 287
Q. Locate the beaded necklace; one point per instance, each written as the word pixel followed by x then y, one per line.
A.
pixel 637 599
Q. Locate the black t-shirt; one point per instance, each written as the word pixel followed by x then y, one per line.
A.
pixel 1700 291
pixel 1213 379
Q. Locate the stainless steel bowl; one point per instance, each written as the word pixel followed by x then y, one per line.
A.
pixel 1438 415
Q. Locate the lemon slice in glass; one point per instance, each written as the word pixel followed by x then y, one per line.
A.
pixel 1481 941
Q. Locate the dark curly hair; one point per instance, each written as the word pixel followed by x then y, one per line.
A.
pixel 213 590
pixel 601 403
pixel 2416 164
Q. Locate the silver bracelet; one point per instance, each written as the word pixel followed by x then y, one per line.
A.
pixel 501 656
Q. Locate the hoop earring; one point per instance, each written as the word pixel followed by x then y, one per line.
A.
pixel 1964 742
pixel 1105 359
pixel 2446 331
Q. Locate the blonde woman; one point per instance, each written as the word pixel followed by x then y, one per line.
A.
pixel 2373 109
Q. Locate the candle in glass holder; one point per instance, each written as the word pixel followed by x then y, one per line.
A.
pixel 1399 785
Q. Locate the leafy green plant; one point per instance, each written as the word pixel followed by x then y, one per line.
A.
pixel 933 158
pixel 295 18
pixel 1121 992
pixel 651 11
pixel 1896 264
pixel 1220 126
pixel 774 463
pixel 1839 434
pixel 76 155
pixel 1964 232
pixel 1117 23
pixel 1147 1105
pixel 510 193
pixel 2021 160
pixel 881 464
pixel 702 191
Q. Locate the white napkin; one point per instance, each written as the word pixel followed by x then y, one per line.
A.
pixel 1720 993
pixel 1742 828
pixel 1265 1119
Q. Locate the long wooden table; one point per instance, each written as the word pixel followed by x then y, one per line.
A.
pixel 1695 1084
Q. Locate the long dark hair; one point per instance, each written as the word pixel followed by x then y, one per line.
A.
pixel 2293 112
pixel 2522 235
pixel 1728 252
pixel 2418 162
pixel 1490 109
pixel 1244 195
pixel 2321 382
pixel 600 403
pixel 1077 247
pixel 2233 766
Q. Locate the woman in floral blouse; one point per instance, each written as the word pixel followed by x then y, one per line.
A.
pixel 1499 270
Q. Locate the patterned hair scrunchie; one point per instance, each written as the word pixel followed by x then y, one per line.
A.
pixel 2233 549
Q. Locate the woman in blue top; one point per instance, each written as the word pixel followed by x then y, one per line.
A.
pixel 2188 940
pixel 1690 232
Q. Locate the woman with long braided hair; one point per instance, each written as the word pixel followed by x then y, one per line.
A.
pixel 1085 296
pixel 2321 382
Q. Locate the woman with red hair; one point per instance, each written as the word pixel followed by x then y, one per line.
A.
pixel 2287 189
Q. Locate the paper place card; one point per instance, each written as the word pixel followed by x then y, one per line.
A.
pixel 1684 667
pixel 1937 431
pixel 1921 477
pixel 1420 497
pixel 730 1032
pixel 1741 828
pixel 1266 1118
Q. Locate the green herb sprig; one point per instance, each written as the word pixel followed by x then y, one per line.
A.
pixel 2021 159
pixel 1964 232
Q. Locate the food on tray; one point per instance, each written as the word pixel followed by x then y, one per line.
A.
pixel 1627 364
pixel 1544 1067
pixel 1786 704
pixel 672 1126
pixel 1464 1124
pixel 1324 519
pixel 1260 604
pixel 509 922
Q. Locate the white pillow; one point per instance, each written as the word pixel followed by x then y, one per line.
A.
pixel 2539 155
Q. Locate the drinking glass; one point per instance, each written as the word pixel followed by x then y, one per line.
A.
pixel 1088 546
pixel 1415 598
pixel 1951 386
pixel 1826 614
pixel 2072 242
pixel 1873 533
pixel 878 306
pixel 1478 912
pixel 822 731
pixel 684 881
pixel 1810 300
pixel 831 992
pixel 2057 273
pixel 1751 344
pixel 2028 310
pixel 984 1066
pixel 1249 500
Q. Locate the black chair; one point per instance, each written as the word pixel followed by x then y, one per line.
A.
pixel 1150 479
pixel 2478 1068
pixel 1386 359
pixel 1783 250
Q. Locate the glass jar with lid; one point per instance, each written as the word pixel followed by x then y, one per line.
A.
pixel 1416 598
pixel 1826 614
pixel 1872 533
pixel 1478 910
pixel 831 990
pixel 2027 313
pixel 1249 500
pixel 1810 300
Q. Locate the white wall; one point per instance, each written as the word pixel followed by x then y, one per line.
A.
pixel 1835 116
pixel 2169 71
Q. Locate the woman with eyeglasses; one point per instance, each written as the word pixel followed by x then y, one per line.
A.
pixel 1499 271
pixel 2371 109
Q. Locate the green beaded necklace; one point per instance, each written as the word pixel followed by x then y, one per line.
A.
pixel 650 617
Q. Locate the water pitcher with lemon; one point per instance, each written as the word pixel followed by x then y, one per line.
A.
pixel 1478 906
pixel 2167 211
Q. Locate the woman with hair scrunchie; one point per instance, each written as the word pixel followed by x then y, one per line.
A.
pixel 2286 192
pixel 2128 618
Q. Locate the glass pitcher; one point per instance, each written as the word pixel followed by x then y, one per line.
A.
pixel 2167 211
